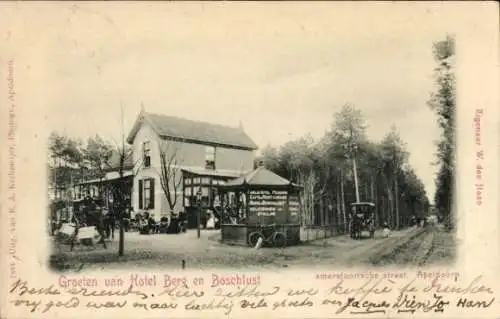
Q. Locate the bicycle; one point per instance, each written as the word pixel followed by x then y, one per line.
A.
pixel 269 234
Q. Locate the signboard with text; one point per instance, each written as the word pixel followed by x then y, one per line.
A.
pixel 267 206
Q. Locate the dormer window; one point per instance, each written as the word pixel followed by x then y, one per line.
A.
pixel 146 153
pixel 209 157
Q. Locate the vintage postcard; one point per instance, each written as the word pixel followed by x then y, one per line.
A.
pixel 249 159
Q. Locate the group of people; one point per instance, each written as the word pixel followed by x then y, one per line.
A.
pixel 147 224
pixel 231 214
pixel 90 214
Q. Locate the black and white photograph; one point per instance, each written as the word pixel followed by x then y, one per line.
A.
pixel 189 138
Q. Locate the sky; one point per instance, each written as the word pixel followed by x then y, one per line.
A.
pixel 283 70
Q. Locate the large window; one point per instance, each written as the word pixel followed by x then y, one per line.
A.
pixel 209 157
pixel 146 153
pixel 146 194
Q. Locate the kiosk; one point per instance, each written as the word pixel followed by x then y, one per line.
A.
pixel 259 199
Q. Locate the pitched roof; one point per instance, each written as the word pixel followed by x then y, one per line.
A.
pixel 114 162
pixel 260 177
pixel 214 173
pixel 126 173
pixel 194 131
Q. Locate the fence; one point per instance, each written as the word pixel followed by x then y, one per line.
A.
pixel 316 232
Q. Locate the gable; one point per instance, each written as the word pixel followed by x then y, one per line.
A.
pixel 193 131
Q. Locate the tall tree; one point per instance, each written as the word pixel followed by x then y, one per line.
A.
pixel 338 164
pixel 270 158
pixel 443 103
pixel 296 159
pixel 57 144
pixel 124 153
pixel 65 160
pixel 395 158
pixel 170 173
pixel 98 154
pixel 349 132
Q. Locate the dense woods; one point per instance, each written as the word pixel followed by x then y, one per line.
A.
pixel 328 169
pixel 443 103
pixel 73 160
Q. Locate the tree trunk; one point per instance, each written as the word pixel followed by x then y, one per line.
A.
pixel 343 200
pixel 121 206
pixel 312 216
pixel 326 210
pixel 121 242
pixel 396 202
pixel 390 206
pixel 356 185
pixel 368 192
pixel 372 198
pixel 338 208
pixel 372 189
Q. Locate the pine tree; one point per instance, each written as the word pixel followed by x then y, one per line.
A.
pixel 443 103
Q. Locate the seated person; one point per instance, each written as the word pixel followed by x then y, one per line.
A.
pixel 162 228
pixel 173 227
pixel 144 223
pixel 138 217
pixel 152 224
pixel 164 220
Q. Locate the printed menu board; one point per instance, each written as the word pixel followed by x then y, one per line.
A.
pixel 267 206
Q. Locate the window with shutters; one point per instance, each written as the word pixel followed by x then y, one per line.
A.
pixel 146 153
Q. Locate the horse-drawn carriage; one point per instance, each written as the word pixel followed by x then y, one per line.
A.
pixel 89 224
pixel 362 219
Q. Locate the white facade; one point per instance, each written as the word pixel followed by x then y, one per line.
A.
pixel 188 155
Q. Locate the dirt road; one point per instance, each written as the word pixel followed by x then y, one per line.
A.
pixel 168 251
pixel 344 251
pixel 435 246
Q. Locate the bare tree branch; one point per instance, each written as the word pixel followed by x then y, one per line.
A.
pixel 170 171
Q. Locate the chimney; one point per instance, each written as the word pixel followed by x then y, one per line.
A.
pixel 142 108
pixel 240 125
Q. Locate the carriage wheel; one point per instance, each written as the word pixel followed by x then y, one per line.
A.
pixel 253 238
pixel 279 239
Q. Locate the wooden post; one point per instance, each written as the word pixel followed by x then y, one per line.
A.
pixel 198 217
pixel 299 200
pixel 184 191
pixel 191 194
pixel 247 207
pixel 222 194
pixel 287 207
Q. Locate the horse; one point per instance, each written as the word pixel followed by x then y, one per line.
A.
pixel 96 218
pixel 109 221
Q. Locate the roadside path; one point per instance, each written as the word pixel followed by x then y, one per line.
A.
pixel 168 252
